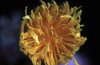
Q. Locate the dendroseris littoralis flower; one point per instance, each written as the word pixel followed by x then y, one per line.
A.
pixel 51 33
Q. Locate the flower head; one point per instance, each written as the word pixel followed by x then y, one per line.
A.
pixel 51 33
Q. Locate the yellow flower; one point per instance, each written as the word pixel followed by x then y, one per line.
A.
pixel 51 33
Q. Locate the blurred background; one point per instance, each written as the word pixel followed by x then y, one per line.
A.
pixel 11 13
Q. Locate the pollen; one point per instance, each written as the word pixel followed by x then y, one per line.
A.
pixel 52 33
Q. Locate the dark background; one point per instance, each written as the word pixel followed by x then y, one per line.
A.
pixel 11 13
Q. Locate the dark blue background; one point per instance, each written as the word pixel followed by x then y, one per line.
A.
pixel 11 13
